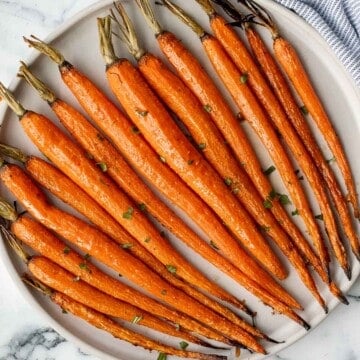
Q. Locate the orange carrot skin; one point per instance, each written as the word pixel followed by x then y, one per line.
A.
pixel 63 281
pixel 196 78
pixel 61 186
pixel 104 323
pixel 139 154
pixel 291 63
pixel 135 96
pixel 72 160
pixel 244 61
pixel 101 247
pixel 283 92
pixel 57 183
pixel 103 151
pixel 47 244
pixel 183 103
pixel 255 115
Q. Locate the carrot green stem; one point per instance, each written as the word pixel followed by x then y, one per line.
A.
pixel 44 92
pixel 128 33
pixel 36 284
pixel 9 98
pixel 45 49
pixel 207 7
pixel 149 15
pixel 13 152
pixel 182 15
pixel 106 45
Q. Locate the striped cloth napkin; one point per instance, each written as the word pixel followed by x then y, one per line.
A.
pixel 338 22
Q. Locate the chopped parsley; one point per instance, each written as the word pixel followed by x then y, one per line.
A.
pixel 66 250
pixel 228 181
pixel 244 78
pixel 267 204
pixel 284 199
pixel 319 217
pixel 65 312
pixel 269 170
pixel 331 160
pixel 162 356
pixel 142 207
pixel 128 214
pixel 265 228
pixel 183 345
pixel 147 240
pixel 202 146
pixel 87 256
pixel 214 245
pixel 171 268
pixel 84 266
pixel 103 167
pixel 207 108
pixel 295 212
pixel 304 110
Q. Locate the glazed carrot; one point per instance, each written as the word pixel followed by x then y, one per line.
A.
pixel 105 323
pixel 196 78
pixel 101 247
pixel 150 116
pixel 290 62
pixel 257 118
pixel 139 154
pixel 104 152
pixel 56 146
pixel 63 281
pixel 283 92
pixel 238 52
pixel 37 237
pixel 184 104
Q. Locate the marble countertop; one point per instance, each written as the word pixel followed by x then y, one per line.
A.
pixel 24 335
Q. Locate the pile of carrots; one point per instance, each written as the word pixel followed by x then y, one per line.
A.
pixel 206 167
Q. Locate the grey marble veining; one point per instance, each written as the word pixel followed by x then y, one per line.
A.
pixel 24 335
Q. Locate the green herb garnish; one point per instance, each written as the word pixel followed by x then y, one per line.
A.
pixel 228 181
pixel 269 170
pixel 162 356
pixel 103 167
pixel 136 319
pixel 142 207
pixel 66 250
pixel 202 146
pixel 244 78
pixel 129 213
pixel 141 112
pixel 284 199
pixel 295 212
pixel 304 110
pixel 319 217
pixel 207 108
pixel 127 245
pixel 183 345
pixel 171 268
pixel 214 245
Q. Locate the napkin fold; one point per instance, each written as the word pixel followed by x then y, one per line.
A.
pixel 338 22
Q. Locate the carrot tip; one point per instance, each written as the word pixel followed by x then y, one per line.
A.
pixel 326 309
pixel 343 299
pixel 305 325
pixel 267 338
pixel 347 271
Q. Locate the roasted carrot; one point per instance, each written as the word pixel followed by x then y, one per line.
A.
pixel 236 83
pixel 101 247
pixel 290 62
pixel 63 281
pixel 138 153
pixel 196 78
pixel 37 237
pixel 105 323
pixel 238 52
pixel 41 130
pixel 185 105
pixel 150 116
pixel 283 92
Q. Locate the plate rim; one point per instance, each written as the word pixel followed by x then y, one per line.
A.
pixel 5 256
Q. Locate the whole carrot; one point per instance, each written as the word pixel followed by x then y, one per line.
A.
pixel 283 92
pixel 105 323
pixel 57 146
pixel 184 104
pixel 291 63
pixel 236 83
pixel 63 281
pixel 101 247
pixel 157 126
pixel 194 75
pixel 139 154
pixel 238 52
pixel 37 237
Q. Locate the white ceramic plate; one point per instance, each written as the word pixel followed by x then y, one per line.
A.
pixel 78 41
